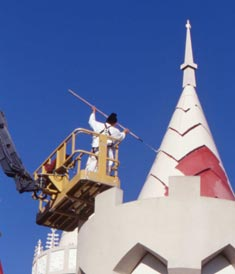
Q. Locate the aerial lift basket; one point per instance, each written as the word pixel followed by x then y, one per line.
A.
pixel 66 200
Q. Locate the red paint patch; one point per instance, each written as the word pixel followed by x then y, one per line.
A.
pixel 204 163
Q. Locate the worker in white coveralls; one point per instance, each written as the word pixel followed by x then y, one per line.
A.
pixel 107 128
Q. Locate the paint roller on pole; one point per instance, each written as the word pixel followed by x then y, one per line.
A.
pixel 105 115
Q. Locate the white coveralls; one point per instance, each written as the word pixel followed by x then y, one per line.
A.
pixel 107 129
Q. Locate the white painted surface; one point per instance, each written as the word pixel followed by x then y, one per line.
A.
pixel 184 229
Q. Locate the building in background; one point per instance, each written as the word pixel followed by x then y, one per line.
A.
pixel 59 255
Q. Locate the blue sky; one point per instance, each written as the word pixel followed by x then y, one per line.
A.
pixel 122 56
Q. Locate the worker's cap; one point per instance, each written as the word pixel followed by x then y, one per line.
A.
pixel 112 119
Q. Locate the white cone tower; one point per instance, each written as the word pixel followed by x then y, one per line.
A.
pixel 188 148
pixel 189 231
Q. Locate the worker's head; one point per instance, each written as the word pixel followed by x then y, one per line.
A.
pixel 112 119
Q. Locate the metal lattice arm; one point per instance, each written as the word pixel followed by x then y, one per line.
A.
pixel 11 162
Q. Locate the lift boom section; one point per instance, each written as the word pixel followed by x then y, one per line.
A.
pixel 11 162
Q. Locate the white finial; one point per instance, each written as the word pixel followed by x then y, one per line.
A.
pixel 38 249
pixel 188 66
pixel 188 26
pixel 52 239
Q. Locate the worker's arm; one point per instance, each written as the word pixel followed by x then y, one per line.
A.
pixel 119 135
pixel 92 119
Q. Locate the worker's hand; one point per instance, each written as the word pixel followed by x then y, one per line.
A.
pixel 126 130
pixel 93 109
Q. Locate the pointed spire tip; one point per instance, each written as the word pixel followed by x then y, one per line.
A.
pixel 188 26
pixel 188 66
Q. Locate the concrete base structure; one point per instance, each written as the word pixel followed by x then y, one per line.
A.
pixel 181 233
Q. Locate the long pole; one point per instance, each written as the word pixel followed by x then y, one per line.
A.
pixel 105 115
